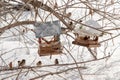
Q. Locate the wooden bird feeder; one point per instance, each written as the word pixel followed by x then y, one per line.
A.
pixel 52 47
pixel 86 36
pixel 86 41
pixel 51 30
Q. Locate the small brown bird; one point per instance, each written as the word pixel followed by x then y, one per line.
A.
pixel 18 63
pixel 56 61
pixel 39 63
pixel 95 38
pixel 91 11
pixel 80 20
pixel 21 63
pixel 86 37
pixel 10 65
pixel 70 23
pixel 55 5
pixel 56 38
pixel 68 14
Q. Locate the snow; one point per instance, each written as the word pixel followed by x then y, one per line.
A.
pixel 85 30
pixel 15 49
pixel 100 70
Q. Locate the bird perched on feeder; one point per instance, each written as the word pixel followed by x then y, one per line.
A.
pixel 56 38
pixel 86 37
pixel 10 65
pixel 39 63
pixel 64 30
pixel 95 38
pixel 21 63
pixel 56 61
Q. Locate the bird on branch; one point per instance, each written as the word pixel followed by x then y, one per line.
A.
pixel 21 63
pixel 10 65
pixel 56 61
pixel 39 63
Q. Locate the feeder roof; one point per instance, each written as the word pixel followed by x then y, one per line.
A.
pixel 93 24
pixel 47 29
pixel 90 31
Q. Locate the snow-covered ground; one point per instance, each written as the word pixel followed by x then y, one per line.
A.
pixel 100 70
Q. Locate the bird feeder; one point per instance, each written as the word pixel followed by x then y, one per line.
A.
pixel 48 35
pixel 88 36
pixel 86 41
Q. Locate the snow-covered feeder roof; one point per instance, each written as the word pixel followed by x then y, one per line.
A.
pixel 47 29
pixel 84 30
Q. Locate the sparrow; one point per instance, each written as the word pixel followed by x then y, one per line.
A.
pixel 91 12
pixel 56 61
pixel 21 63
pixel 64 30
pixel 23 30
pixel 68 14
pixel 39 63
pixel 96 38
pixel 18 63
pixel 86 37
pixel 56 38
pixel 56 5
pixel 80 21
pixel 70 23
pixel 10 65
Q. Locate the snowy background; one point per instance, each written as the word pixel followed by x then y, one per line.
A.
pixel 16 45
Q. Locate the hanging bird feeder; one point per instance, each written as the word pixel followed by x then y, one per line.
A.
pixel 86 41
pixel 48 35
pixel 86 36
